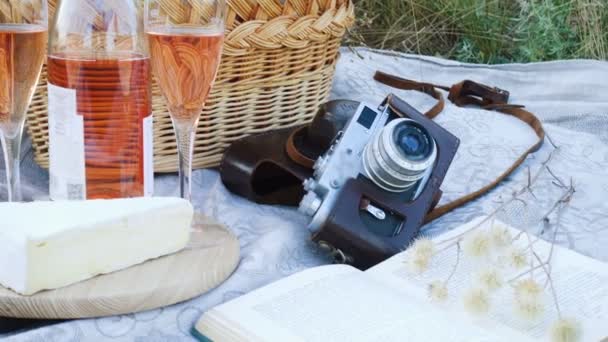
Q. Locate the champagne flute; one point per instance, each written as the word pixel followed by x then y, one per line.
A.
pixel 23 37
pixel 185 40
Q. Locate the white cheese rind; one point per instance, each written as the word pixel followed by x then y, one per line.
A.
pixel 13 261
pixel 56 244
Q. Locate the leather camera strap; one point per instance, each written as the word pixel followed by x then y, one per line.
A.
pixel 471 93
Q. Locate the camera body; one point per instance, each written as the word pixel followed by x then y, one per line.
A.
pixel 396 154
pixel 371 190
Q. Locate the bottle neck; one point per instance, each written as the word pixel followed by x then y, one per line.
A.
pixel 100 27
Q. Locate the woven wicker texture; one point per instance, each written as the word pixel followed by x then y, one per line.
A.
pixel 277 68
pixel 15 11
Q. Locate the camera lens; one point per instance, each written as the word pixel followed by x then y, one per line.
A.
pixel 412 141
pixel 399 155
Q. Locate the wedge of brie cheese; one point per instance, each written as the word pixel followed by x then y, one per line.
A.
pixel 47 245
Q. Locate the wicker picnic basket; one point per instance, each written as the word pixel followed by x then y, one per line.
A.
pixel 277 68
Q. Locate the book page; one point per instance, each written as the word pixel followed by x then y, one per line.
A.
pixel 581 284
pixel 334 303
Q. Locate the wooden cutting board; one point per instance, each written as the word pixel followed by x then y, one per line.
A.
pixel 211 257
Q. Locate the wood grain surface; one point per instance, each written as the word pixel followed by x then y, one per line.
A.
pixel 210 258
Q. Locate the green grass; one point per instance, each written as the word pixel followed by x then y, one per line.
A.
pixel 485 31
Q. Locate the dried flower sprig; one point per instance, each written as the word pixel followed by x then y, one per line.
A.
pixel 515 196
pixel 483 243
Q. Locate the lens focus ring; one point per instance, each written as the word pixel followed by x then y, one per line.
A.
pixel 393 166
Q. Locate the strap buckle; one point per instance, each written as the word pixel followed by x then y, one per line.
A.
pixel 478 93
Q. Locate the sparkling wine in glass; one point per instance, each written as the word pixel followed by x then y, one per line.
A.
pixel 185 52
pixel 23 37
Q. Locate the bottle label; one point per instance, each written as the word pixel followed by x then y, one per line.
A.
pixel 67 169
pixel 66 146
pixel 148 126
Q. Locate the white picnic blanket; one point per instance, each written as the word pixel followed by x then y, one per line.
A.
pixel 569 96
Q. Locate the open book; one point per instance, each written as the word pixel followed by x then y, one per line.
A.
pixel 389 303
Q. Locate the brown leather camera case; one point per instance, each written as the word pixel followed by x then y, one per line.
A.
pixel 269 168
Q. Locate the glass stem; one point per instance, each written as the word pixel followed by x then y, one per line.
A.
pixel 185 133
pixel 11 147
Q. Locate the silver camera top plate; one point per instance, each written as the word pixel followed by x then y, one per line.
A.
pixel 343 161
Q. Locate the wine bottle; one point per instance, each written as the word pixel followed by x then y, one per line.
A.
pixel 100 122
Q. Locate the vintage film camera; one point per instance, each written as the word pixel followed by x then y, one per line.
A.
pixel 371 191
pixel 373 186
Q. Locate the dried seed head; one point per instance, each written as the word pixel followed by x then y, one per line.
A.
pixel 423 247
pixel 438 291
pixel 500 235
pixel 528 289
pixel 477 244
pixel 529 308
pixel 476 301
pixel 517 258
pixel 566 330
pixel 417 264
pixel 420 254
pixel 490 279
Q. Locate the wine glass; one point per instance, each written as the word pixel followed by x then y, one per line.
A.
pixel 23 37
pixel 185 39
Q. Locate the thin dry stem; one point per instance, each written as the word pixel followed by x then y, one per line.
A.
pixel 515 197
pixel 458 252
pixel 526 272
pixel 560 204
